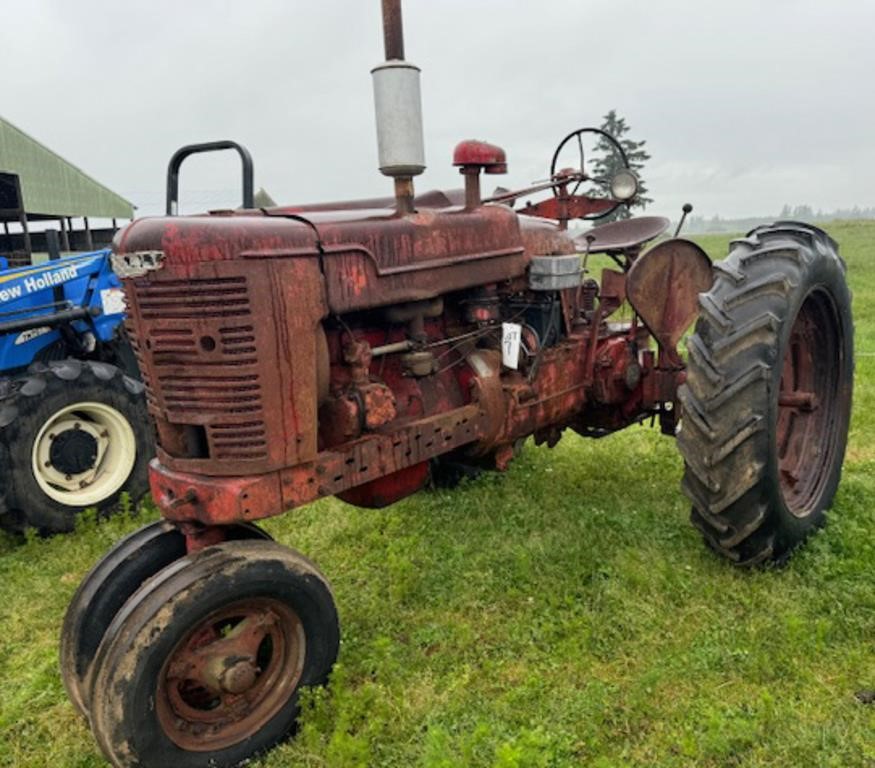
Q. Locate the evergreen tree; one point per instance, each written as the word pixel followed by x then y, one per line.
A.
pixel 803 213
pixel 607 161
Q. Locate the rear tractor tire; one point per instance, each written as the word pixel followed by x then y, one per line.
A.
pixel 78 435
pixel 767 399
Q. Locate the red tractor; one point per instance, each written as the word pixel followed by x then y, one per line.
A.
pixel 360 348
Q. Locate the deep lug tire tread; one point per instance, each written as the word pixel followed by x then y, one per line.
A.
pixel 21 416
pixel 734 366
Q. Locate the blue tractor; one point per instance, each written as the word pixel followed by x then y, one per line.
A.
pixel 74 431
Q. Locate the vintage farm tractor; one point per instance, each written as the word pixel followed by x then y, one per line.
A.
pixel 357 349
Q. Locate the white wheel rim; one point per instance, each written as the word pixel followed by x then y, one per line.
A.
pixel 116 454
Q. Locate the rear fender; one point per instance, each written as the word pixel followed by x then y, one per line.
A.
pixel 663 287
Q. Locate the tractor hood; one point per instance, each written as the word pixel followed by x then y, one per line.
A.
pixel 369 257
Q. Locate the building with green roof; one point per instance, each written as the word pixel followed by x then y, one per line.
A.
pixel 38 185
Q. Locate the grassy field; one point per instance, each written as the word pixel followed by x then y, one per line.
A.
pixel 562 614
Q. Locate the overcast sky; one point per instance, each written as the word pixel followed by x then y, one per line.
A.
pixel 745 105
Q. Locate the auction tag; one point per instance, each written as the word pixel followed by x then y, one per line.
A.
pixel 510 344
pixel 113 300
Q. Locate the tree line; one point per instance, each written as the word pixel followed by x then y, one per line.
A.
pixel 804 213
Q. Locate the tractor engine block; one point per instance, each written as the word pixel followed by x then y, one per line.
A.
pixel 289 358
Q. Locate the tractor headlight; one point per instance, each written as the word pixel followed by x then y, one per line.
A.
pixel 624 186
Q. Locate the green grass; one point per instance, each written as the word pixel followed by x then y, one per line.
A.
pixel 562 614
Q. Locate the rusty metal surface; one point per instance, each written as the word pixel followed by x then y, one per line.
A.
pixel 807 403
pixel 612 293
pixel 222 500
pixel 663 286
pixel 504 407
pixel 368 262
pixel 393 30
pixel 622 235
pixel 544 237
pixel 378 404
pixel 480 154
pixel 433 198
pixel 340 420
pixel 231 674
pixel 197 333
pixel 389 489
pixel 571 207
pixel 256 333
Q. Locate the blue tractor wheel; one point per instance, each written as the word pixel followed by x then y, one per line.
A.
pixel 78 436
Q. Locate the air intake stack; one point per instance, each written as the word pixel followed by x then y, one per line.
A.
pixel 398 108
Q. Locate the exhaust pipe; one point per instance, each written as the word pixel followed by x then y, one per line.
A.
pixel 398 109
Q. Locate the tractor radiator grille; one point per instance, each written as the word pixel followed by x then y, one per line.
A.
pixel 210 393
pixel 199 363
pixel 196 299
pixel 239 441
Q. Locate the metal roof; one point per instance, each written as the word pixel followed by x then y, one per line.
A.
pixel 51 186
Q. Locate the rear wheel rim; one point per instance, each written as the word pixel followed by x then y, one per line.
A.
pixel 808 404
pixel 231 674
pixel 83 454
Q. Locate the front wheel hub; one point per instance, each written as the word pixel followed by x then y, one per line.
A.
pixel 231 674
pixel 239 677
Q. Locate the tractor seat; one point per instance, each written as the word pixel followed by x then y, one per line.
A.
pixel 622 235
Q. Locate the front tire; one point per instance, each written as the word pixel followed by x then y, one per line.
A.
pixel 79 436
pixel 107 587
pixel 767 400
pixel 203 666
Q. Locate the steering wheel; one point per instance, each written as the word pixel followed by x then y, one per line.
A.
pixel 578 177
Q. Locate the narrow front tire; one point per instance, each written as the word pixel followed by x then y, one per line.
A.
pixel 204 665
pixel 108 586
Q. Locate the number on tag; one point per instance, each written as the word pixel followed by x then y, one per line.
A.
pixel 510 344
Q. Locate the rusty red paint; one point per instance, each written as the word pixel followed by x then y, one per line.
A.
pixel 622 236
pixel 387 490
pixel 340 420
pixel 807 403
pixel 613 291
pixel 198 537
pixel 379 405
pixel 393 30
pixel 573 207
pixel 663 286
pixel 480 154
pixel 256 344
pixel 230 675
